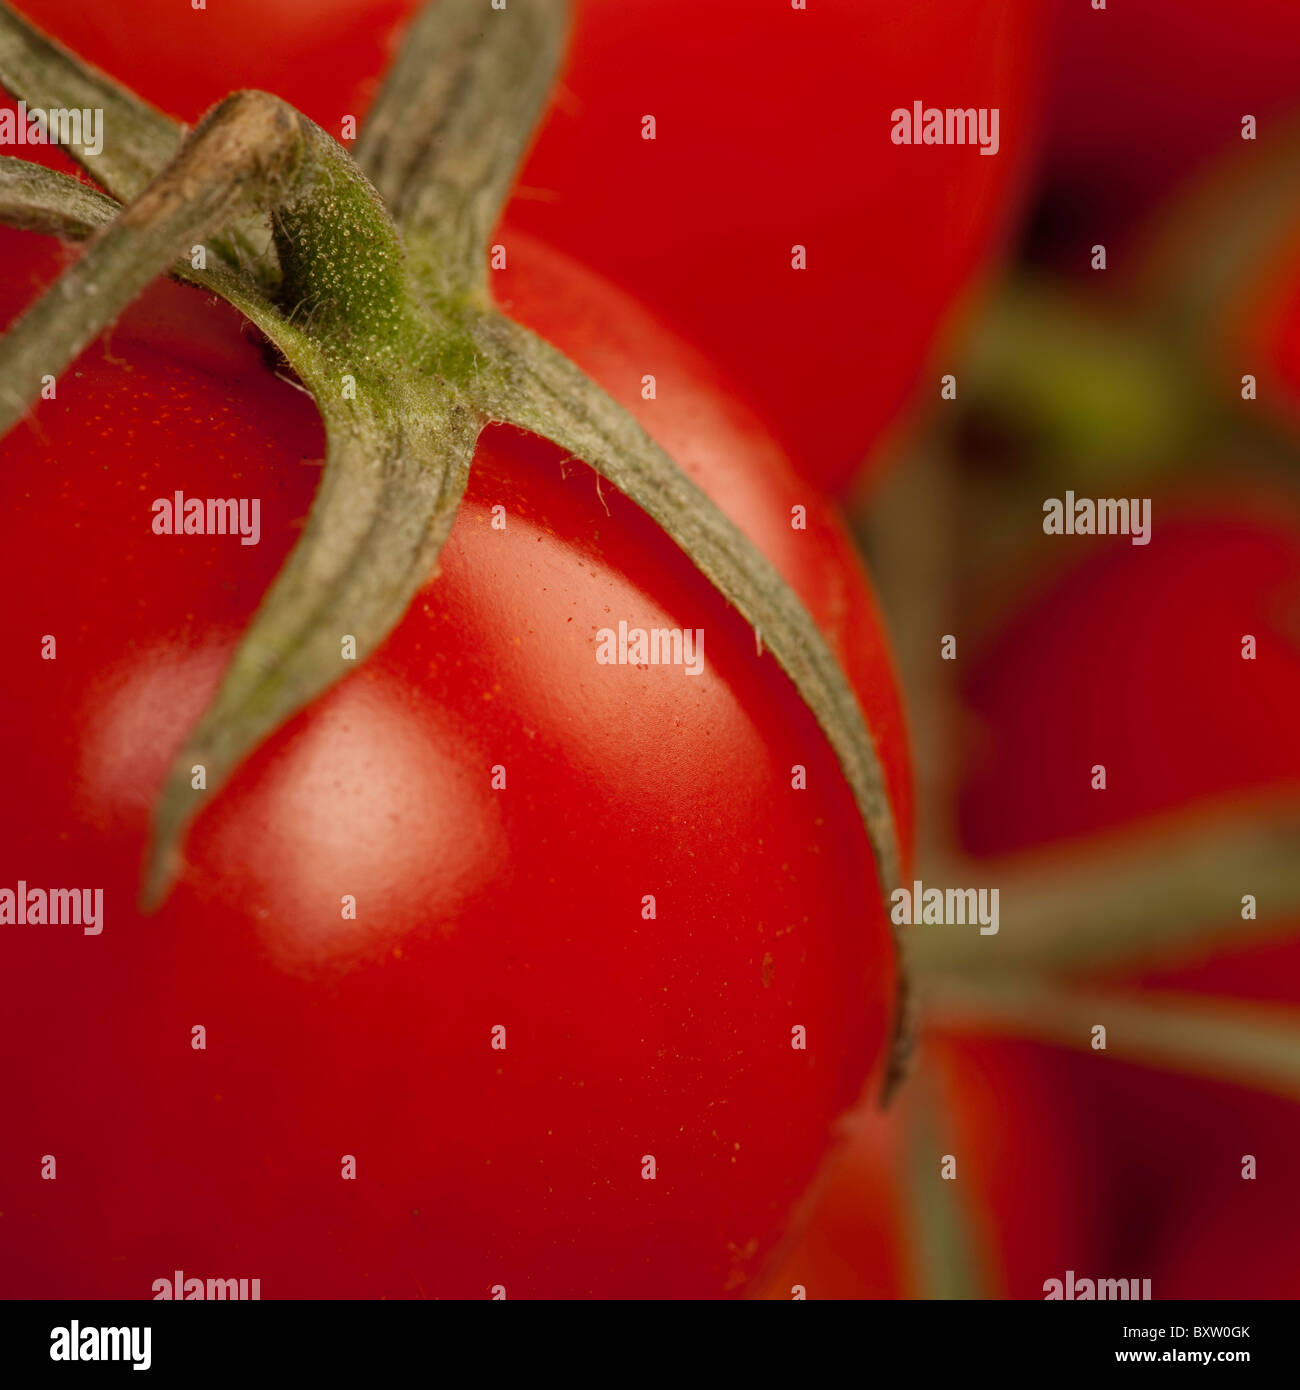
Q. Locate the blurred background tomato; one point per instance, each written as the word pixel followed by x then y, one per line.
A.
pixel 1163 906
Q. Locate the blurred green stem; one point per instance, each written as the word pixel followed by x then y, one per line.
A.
pixel 942 1239
pixel 1125 898
pixel 1248 1043
pixel 1099 398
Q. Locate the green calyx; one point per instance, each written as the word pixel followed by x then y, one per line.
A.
pixel 343 263
pixel 375 293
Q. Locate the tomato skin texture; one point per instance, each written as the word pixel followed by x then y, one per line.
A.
pixel 765 141
pixel 522 907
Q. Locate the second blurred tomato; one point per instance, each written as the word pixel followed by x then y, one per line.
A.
pixel 1130 657
pixel 1133 659
pixel 1145 91
pixel 982 1180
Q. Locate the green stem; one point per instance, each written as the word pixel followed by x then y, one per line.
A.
pixel 1121 899
pixel 1249 1043
pixel 137 140
pixel 1084 396
pixel 1069 395
pixel 938 1210
pixel 531 385
pixel 451 124
pixel 400 441
pixel 248 139
pixel 36 199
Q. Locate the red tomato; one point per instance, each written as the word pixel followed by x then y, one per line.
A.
pixel 1183 1212
pixel 626 1037
pixel 1263 326
pixel 1068 1160
pixel 1024 1198
pixel 773 130
pixel 327 58
pixel 1144 92
pixel 1227 1235
pixel 1133 659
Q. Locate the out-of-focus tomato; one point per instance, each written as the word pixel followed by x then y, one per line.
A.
pixel 1134 660
pixel 1010 1122
pixel 1131 657
pixel 1143 92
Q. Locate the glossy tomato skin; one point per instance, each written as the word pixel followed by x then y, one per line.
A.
pixel 772 131
pixel 626 1037
pixel 1132 659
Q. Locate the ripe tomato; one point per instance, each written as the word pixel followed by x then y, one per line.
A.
pixel 1012 1117
pixel 1261 332
pixel 1224 1235
pixel 327 58
pixel 628 1036
pixel 1181 1211
pixel 1144 93
pixel 1067 1160
pixel 1133 659
pixel 773 130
